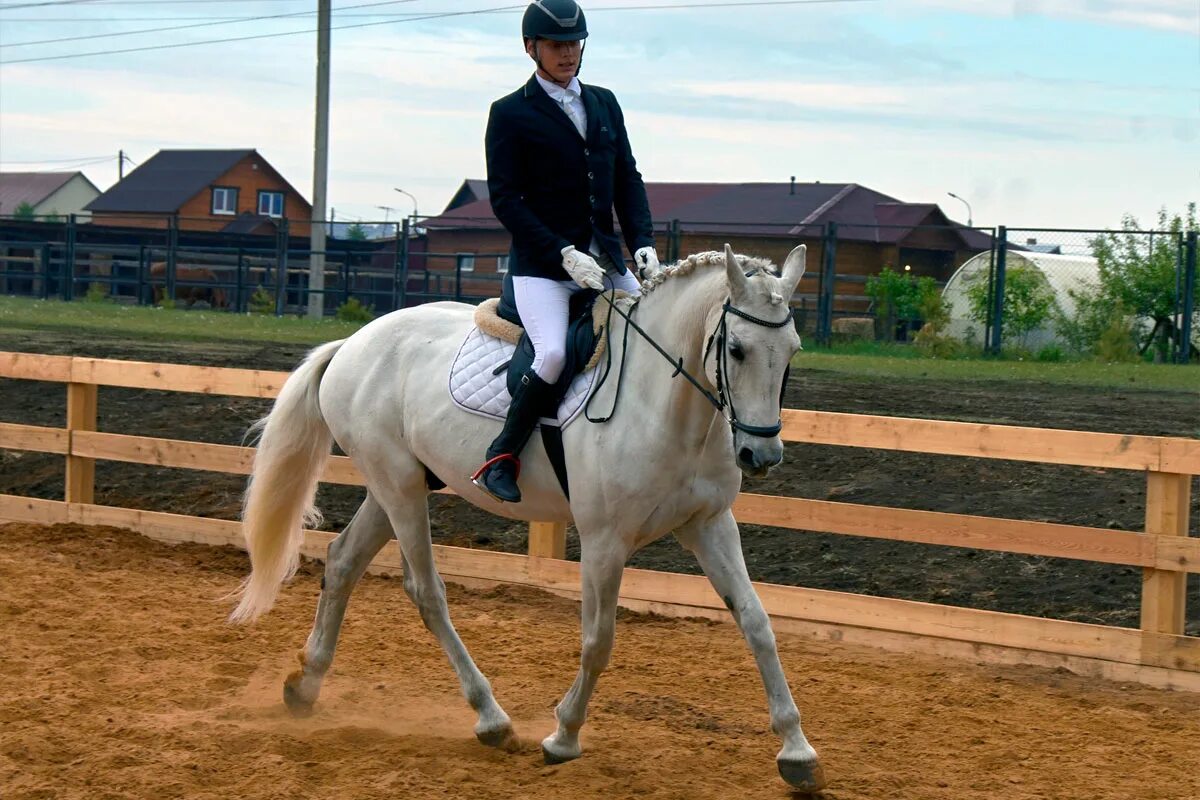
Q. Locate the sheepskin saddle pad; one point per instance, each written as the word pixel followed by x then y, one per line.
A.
pixel 497 352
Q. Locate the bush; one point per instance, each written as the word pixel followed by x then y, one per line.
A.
pixel 96 293
pixel 262 302
pixel 1050 352
pixel 898 297
pixel 1028 303
pixel 354 311
pixel 932 338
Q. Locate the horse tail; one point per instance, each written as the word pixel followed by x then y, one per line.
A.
pixel 293 447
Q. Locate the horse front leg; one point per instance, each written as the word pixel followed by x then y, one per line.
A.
pixel 718 547
pixel 601 567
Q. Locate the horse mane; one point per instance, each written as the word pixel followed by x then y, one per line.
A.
pixel 751 265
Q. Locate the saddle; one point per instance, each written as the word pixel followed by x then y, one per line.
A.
pixel 487 367
pixel 585 338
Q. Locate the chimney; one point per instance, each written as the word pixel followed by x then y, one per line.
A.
pixel 793 191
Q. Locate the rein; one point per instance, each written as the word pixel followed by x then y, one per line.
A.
pixel 723 397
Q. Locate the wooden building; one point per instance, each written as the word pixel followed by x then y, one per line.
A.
pixel 236 191
pixel 872 231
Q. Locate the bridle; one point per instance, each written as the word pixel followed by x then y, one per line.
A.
pixel 720 336
pixel 724 396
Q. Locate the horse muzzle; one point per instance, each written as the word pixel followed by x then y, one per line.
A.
pixel 756 460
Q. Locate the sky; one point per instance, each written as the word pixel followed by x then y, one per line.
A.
pixel 1039 113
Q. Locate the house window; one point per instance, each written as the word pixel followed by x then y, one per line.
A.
pixel 466 262
pixel 502 264
pixel 224 200
pixel 270 204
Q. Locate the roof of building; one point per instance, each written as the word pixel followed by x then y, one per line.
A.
pixel 763 209
pixel 30 187
pixel 168 180
pixel 250 223
pixel 472 189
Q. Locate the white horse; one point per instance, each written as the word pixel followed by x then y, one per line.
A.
pixel 667 462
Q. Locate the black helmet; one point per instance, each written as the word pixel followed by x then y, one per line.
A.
pixel 559 20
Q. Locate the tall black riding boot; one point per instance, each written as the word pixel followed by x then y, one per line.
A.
pixel 498 475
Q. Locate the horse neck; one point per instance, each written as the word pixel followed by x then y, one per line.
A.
pixel 678 316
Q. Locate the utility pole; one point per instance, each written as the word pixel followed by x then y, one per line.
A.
pixel 316 262
pixel 120 165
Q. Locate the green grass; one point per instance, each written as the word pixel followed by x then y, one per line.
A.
pixel 906 363
pixel 864 360
pixel 147 322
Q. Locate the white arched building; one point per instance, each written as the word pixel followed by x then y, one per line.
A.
pixel 1063 274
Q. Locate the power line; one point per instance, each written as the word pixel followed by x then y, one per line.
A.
pixel 444 15
pixel 192 25
pixel 11 6
pixel 65 163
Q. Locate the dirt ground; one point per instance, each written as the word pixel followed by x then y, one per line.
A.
pixel 122 680
pixel 1060 588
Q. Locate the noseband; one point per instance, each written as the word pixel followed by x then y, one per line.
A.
pixel 724 395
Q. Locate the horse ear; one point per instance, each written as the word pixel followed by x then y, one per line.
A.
pixel 734 274
pixel 793 268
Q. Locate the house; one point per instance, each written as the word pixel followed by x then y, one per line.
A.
pixel 42 194
pixel 234 191
pixel 873 231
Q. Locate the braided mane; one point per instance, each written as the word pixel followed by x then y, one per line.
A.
pixel 752 265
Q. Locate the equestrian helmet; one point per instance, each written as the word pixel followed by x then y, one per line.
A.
pixel 557 20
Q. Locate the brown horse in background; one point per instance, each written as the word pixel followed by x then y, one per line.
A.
pixel 214 295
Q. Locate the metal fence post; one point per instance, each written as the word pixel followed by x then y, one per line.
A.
pixel 172 253
pixel 400 285
pixel 44 290
pixel 68 287
pixel 997 331
pixel 825 285
pixel 239 289
pixel 1189 298
pixel 673 243
pixel 281 259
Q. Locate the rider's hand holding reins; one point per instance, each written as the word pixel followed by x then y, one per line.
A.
pixel 647 262
pixel 582 268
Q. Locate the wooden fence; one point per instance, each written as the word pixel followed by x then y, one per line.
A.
pixel 1157 653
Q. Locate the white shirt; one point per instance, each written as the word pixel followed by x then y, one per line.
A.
pixel 568 97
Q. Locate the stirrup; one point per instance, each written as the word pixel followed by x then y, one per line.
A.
pixel 477 478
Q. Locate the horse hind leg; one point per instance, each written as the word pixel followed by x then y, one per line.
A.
pixel 409 513
pixel 347 560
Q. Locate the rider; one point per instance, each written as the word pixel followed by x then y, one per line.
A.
pixel 559 163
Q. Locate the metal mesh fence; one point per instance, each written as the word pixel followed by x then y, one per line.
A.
pixel 1036 290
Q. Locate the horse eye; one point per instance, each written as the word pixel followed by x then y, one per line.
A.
pixel 737 352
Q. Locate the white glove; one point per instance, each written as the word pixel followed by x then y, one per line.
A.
pixel 582 268
pixel 647 261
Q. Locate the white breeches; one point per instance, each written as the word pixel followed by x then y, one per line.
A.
pixel 544 305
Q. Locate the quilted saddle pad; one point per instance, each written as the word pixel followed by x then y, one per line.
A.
pixel 475 386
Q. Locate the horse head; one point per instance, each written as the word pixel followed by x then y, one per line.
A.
pixel 753 345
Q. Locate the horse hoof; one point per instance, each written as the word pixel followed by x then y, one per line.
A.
pixel 804 776
pixel 552 758
pixel 503 738
pixel 297 705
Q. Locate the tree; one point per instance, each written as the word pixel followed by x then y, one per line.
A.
pixel 24 211
pixel 356 233
pixel 1138 274
pixel 1028 303
pixel 897 296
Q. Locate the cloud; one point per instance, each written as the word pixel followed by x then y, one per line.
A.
pixel 1176 16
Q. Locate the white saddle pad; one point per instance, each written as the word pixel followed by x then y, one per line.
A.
pixel 474 387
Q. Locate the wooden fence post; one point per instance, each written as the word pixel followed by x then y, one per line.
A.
pixel 548 539
pixel 1163 591
pixel 81 416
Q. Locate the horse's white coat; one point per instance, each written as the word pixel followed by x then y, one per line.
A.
pixel 667 462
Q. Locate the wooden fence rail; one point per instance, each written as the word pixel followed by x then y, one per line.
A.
pixel 1156 653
